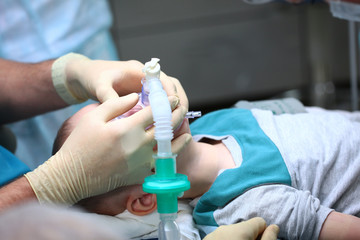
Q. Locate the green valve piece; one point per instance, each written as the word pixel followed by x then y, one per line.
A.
pixel 166 184
pixel 166 190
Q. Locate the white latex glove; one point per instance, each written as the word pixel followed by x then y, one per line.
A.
pixel 77 78
pixel 101 155
pixel 247 230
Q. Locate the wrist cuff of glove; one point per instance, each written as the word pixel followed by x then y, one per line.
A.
pixel 50 187
pixel 58 74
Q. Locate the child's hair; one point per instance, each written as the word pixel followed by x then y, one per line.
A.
pixel 62 134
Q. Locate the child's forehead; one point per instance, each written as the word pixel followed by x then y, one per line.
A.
pixel 79 114
pixel 89 107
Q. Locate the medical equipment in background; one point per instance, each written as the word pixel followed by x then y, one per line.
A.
pixel 350 10
pixel 276 106
pixel 267 1
pixel 165 183
pixel 347 10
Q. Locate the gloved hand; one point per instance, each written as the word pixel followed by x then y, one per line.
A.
pixel 77 78
pixel 247 230
pixel 101 155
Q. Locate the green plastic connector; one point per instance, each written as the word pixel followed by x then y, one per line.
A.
pixel 166 184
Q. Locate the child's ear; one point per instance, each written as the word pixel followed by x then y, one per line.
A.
pixel 143 205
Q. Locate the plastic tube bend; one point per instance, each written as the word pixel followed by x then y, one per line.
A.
pixel 161 109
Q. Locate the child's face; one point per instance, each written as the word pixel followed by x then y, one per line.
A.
pixel 132 198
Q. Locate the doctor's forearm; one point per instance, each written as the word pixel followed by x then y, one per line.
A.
pixel 16 192
pixel 26 90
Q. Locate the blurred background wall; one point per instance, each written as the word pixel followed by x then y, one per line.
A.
pixel 228 50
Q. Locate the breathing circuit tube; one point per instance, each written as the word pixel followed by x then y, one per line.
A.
pixel 165 183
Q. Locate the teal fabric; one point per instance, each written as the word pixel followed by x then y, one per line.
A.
pixel 262 162
pixel 10 166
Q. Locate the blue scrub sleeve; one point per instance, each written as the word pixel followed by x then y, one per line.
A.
pixel 10 167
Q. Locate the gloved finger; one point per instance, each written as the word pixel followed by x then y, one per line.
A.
pixel 115 107
pixel 178 116
pixel 118 78
pixel 150 135
pixel 174 101
pixel 247 230
pixel 181 93
pixel 168 85
pixel 178 113
pixel 104 87
pixel 173 87
pixel 271 232
pixel 255 226
pixel 144 116
pixel 178 144
pixel 131 76
pixel 105 93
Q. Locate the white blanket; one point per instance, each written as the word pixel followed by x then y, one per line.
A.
pixel 145 227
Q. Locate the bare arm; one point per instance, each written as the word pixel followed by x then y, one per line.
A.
pixel 16 192
pixel 26 90
pixel 340 226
